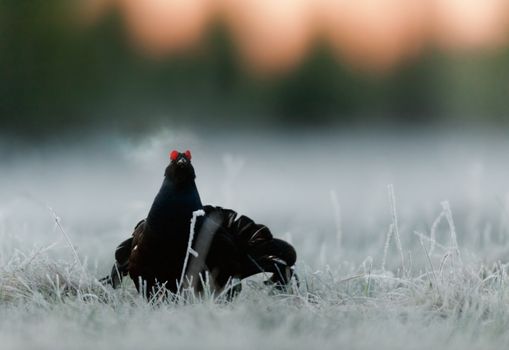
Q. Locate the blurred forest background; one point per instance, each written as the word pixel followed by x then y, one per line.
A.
pixel 135 65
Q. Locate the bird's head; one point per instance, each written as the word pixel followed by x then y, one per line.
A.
pixel 180 170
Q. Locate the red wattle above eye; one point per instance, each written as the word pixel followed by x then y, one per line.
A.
pixel 188 154
pixel 173 155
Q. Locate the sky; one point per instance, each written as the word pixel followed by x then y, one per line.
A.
pixel 277 35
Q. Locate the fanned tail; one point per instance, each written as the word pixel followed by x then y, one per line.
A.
pixel 257 251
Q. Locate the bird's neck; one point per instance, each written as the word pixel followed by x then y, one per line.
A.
pixel 173 207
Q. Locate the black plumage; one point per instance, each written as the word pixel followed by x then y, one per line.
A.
pixel 255 249
pixel 227 246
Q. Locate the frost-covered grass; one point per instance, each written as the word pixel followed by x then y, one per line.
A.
pixel 418 264
pixel 51 304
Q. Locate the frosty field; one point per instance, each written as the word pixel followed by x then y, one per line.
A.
pixel 402 241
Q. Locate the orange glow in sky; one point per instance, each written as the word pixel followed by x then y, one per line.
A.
pixel 270 35
pixel 276 35
pixel 464 24
pixel 163 26
pixel 374 33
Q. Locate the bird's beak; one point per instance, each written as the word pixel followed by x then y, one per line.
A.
pixel 181 161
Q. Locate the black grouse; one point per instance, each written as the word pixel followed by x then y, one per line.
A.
pixel 223 245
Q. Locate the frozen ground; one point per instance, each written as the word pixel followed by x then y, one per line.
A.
pixel 442 284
